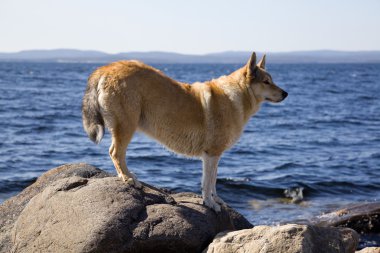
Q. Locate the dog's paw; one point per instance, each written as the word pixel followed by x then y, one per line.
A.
pixel 210 202
pixel 219 200
pixel 131 181
pixel 134 182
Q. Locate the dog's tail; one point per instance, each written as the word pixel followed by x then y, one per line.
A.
pixel 93 121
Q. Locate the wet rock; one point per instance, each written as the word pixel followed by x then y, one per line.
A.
pixel 78 208
pixel 363 218
pixel 289 238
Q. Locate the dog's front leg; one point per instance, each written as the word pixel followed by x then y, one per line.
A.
pixel 214 194
pixel 210 166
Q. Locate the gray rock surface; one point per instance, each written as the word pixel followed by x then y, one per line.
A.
pixel 11 208
pixel 290 238
pixel 78 208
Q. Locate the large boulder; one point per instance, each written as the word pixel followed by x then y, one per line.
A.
pixel 11 208
pixel 290 238
pixel 78 208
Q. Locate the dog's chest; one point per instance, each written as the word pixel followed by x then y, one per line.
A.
pixel 224 122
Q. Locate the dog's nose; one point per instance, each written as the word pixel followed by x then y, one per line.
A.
pixel 284 94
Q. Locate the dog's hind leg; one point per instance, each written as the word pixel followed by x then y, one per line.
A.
pixel 111 150
pixel 121 137
pixel 210 166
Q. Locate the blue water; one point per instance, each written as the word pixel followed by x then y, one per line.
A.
pixel 325 138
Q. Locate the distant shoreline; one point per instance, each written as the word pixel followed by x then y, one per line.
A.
pixel 187 63
pixel 230 57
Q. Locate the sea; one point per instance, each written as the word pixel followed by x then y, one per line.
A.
pixel 317 151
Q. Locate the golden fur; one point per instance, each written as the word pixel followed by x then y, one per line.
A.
pixel 198 120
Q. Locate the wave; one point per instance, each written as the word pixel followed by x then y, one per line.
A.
pixel 289 165
pixel 15 185
pixel 310 189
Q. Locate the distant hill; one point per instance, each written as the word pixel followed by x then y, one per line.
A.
pixel 72 55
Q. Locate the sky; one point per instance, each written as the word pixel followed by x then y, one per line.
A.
pixel 193 27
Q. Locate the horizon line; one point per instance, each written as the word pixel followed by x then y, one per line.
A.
pixel 197 54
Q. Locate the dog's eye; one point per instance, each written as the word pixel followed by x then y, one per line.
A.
pixel 266 82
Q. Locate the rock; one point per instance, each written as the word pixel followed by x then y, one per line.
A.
pixel 78 208
pixel 369 250
pixel 363 218
pixel 289 238
pixel 11 208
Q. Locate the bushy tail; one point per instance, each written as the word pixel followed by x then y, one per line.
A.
pixel 93 122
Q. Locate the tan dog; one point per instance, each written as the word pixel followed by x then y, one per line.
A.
pixel 199 120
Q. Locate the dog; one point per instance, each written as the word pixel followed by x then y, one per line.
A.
pixel 200 120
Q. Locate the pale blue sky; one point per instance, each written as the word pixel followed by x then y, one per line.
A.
pixel 196 26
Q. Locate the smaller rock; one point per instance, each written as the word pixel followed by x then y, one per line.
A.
pixel 363 218
pixel 290 238
pixel 369 250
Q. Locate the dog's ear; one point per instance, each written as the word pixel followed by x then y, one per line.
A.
pixel 261 63
pixel 251 66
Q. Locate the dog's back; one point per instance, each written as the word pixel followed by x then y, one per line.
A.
pixel 132 95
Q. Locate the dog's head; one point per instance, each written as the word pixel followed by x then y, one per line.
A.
pixel 261 83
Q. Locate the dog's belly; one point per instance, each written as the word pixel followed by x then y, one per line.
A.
pixel 188 142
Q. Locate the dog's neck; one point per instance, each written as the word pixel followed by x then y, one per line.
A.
pixel 240 93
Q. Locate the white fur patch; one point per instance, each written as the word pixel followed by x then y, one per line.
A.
pixel 233 93
pixel 205 94
pixel 207 98
pixel 100 90
pixel 100 134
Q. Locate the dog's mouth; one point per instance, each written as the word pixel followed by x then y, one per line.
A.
pixel 284 94
pixel 274 101
pixel 271 100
